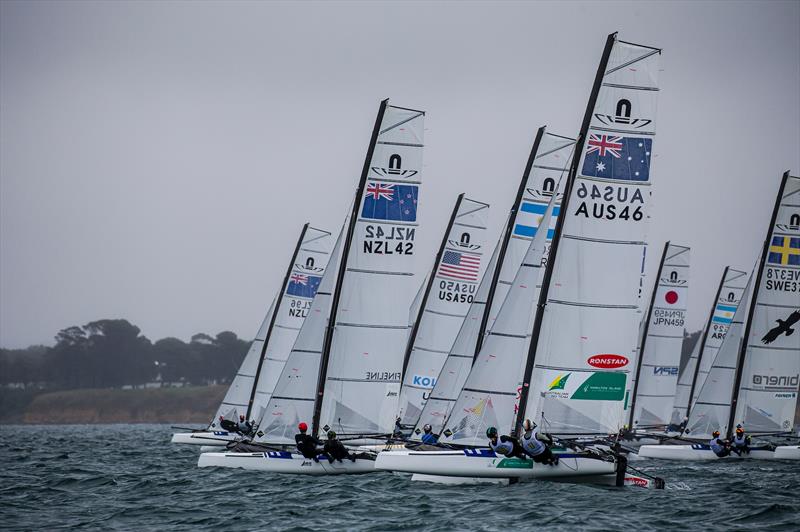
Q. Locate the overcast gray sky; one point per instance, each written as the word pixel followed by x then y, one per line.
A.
pixel 157 160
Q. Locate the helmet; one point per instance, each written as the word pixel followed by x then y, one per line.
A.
pixel 528 425
pixel 739 430
pixel 331 435
pixel 302 426
pixel 715 433
pixel 491 432
pixel 427 427
pixel 221 418
pixel 241 417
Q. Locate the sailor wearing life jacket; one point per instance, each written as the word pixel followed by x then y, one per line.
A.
pixel 505 445
pixel 535 448
pixel 741 442
pixel 720 447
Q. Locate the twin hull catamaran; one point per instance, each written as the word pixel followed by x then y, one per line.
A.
pixel 344 372
pixel 593 276
pixel 754 379
pixel 253 384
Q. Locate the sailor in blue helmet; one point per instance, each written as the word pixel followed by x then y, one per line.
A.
pixel 537 449
pixel 428 436
pixel 505 445
pixel 719 446
pixel 741 441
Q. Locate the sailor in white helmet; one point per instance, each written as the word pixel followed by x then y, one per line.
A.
pixel 537 449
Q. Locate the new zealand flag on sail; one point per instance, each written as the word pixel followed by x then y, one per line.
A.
pixel 302 285
pixel 612 157
pixel 390 201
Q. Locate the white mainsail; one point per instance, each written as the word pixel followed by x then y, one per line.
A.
pixel 295 391
pixel 304 278
pixel 587 338
pixel 363 357
pixel 268 352
pixel 238 394
pixel 661 345
pixel 705 351
pixel 448 296
pixel 489 395
pixel 548 161
pixel 769 377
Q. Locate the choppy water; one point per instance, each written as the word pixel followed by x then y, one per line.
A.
pixel 129 477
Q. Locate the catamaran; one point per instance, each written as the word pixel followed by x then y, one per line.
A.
pixel 254 381
pixel 592 278
pixel 344 372
pixel 753 381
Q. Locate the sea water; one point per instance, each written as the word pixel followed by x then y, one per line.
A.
pixel 129 477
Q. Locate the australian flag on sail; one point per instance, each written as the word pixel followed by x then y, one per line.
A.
pixel 390 201
pixel 530 216
pixel 613 157
pixel 302 285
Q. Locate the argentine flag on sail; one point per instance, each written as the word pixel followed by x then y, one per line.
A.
pixel 530 216
pixel 723 314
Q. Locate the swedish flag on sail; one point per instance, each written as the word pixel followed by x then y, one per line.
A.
pixel 724 314
pixel 784 251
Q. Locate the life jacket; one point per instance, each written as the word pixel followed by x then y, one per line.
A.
pixel 716 445
pixel 429 438
pixel 740 442
pixel 532 445
pixel 502 447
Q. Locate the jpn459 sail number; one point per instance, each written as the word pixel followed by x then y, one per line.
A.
pixel 390 241
pixel 610 202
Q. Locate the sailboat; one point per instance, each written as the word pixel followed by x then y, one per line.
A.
pixel 656 377
pixel 449 292
pixel 753 381
pixel 256 377
pixel 345 369
pixel 592 276
pixel 548 160
pixel 726 301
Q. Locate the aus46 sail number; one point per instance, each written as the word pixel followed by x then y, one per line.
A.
pixel 610 202
pixel 389 241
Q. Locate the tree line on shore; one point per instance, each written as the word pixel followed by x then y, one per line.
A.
pixel 113 353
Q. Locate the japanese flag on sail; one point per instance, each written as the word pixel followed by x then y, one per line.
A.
pixel 302 285
pixel 390 201
pixel 615 157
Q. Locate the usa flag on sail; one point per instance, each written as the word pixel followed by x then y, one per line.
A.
pixel 302 285
pixel 461 266
pixel 390 201
pixel 614 157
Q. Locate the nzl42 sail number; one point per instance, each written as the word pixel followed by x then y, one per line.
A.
pixel 391 241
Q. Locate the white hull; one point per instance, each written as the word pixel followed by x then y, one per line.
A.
pixel 217 438
pixel 485 464
pixel 699 452
pixel 212 448
pixel 285 462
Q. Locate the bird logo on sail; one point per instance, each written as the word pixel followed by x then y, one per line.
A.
pixel 615 157
pixel 783 327
pixel 302 285
pixel 390 202
pixel 784 251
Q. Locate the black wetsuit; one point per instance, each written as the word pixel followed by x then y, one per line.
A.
pixel 307 445
pixel 337 451
pixel 227 424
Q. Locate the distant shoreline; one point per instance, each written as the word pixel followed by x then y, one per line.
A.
pixel 189 405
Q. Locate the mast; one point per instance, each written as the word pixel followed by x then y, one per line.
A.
pixel 644 334
pixel 421 310
pixel 326 349
pixel 272 322
pixel 512 215
pixel 703 339
pixel 756 287
pixel 551 259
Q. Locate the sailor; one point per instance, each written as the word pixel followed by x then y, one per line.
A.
pixel 227 424
pixel 720 447
pixel 505 445
pixel 741 441
pixel 244 427
pixel 428 436
pixel 306 444
pixel 537 449
pixel 398 429
pixel 335 449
